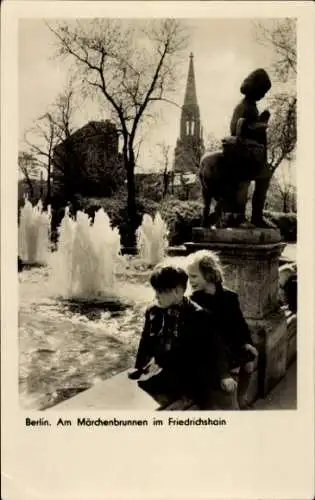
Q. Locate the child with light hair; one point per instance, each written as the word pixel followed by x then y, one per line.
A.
pixel 206 278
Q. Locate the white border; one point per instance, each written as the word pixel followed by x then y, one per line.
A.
pixel 265 455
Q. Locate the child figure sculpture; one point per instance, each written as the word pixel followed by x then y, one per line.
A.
pixel 250 126
pixel 225 176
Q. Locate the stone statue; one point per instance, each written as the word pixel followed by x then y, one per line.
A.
pixel 225 175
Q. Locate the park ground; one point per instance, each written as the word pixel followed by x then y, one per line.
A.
pixel 283 396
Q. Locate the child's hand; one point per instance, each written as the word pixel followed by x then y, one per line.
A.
pixel 249 367
pixel 252 351
pixel 152 368
pixel 135 374
pixel 138 372
pixel 228 384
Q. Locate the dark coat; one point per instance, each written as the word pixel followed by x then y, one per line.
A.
pixel 229 321
pixel 196 356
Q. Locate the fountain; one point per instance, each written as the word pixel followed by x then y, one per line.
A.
pixel 80 317
pixel 152 242
pixel 85 263
pixel 34 233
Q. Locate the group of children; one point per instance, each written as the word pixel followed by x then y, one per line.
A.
pixel 198 348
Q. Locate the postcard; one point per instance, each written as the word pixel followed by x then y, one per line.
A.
pixel 157 248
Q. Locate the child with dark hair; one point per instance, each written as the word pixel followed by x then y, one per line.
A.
pixel 177 356
pixel 206 280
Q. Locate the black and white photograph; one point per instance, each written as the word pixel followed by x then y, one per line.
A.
pixel 157 214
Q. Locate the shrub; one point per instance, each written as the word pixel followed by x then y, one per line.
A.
pixel 116 209
pixel 286 222
pixel 181 217
pixel 112 206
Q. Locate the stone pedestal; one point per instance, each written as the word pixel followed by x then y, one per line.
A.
pixel 116 393
pixel 251 261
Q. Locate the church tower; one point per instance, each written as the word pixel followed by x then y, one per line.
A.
pixel 189 146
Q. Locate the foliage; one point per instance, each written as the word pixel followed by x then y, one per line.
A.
pixel 150 185
pixel 181 217
pixel 88 162
pixel 116 209
pixel 287 223
pixel 187 160
pixel 29 168
pixel 212 143
pixel 282 133
pixel 282 193
pixel 38 192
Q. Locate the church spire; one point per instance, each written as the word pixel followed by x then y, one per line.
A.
pixel 190 94
pixel 190 118
pixel 189 146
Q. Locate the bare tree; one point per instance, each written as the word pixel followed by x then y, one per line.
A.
pixel 50 130
pixel 46 138
pixel 284 187
pixel 212 143
pixel 29 168
pixel 63 110
pixel 281 36
pixel 132 65
pixel 165 150
pixel 282 132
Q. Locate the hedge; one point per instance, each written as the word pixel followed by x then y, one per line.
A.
pixel 180 216
pixel 116 209
pixel 286 222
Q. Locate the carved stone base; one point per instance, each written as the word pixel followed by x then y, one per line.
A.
pixel 253 391
pixel 270 337
pixel 240 235
pixel 251 262
pixel 292 337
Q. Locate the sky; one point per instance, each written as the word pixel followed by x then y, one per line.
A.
pixel 225 51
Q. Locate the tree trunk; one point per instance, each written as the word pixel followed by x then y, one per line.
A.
pixel 129 161
pixel 131 186
pixel 285 203
pixel 48 195
pixel 167 179
pixel 41 186
pixel 30 185
pixel 172 182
